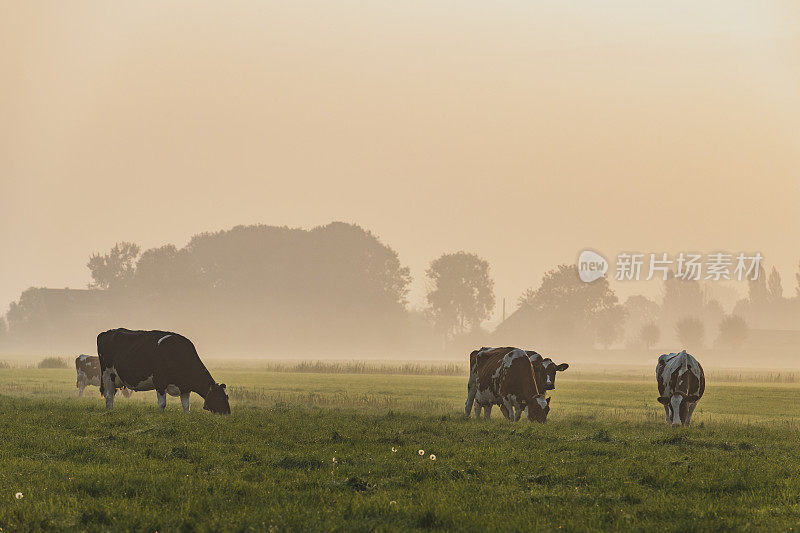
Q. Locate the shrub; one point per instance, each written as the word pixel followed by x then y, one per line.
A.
pixel 53 362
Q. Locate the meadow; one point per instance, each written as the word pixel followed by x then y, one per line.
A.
pixel 324 450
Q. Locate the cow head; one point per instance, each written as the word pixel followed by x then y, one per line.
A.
pixel 217 400
pixel 677 407
pixel 538 409
pixel 549 369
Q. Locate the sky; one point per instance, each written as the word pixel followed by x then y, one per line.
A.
pixel 521 131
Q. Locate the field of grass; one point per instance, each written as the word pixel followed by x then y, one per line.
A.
pixel 325 451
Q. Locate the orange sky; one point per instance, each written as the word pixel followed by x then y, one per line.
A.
pixel 523 131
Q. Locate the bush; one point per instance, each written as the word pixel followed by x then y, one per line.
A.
pixel 5 365
pixel 53 362
pixel 690 331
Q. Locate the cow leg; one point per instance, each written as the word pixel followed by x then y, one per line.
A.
pixel 162 399
pixel 470 400
pixel 185 402
pixel 507 408
pixel 109 389
pixel 478 410
pixel 80 390
pixel 487 411
pixel 689 415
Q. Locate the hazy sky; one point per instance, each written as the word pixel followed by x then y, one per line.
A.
pixel 523 131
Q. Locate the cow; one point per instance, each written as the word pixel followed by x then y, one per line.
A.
pixel 156 360
pixel 87 368
pixel 504 377
pixel 544 372
pixel 681 383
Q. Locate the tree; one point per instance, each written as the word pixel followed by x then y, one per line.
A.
pixel 649 334
pixel 774 286
pixel 733 331
pixel 690 331
pixel 757 288
pixel 163 270
pixel 565 310
pixel 460 293
pixel 114 269
pixel 797 279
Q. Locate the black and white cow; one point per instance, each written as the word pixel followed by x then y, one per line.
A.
pixel 681 383
pixel 87 368
pixel 156 360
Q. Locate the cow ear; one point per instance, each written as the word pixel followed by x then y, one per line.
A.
pixel 663 399
pixel 562 367
pixel 692 398
pixel 221 385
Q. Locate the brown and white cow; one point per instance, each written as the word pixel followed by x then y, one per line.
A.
pixel 504 377
pixel 156 360
pixel 87 368
pixel 681 383
pixel 544 371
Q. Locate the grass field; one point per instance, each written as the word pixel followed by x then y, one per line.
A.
pixel 314 451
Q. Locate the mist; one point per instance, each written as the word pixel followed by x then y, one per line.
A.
pixel 521 136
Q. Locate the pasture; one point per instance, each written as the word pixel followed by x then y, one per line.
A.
pixel 328 451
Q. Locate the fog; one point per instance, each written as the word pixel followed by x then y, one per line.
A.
pixel 521 133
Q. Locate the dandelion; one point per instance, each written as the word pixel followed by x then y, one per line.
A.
pixel 335 461
pixel 394 450
pixel 422 452
pixel 18 495
pixel 433 457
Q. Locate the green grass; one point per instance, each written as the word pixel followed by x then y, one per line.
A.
pixel 604 460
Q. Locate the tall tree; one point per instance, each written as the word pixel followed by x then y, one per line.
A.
pixel 797 279
pixel 460 293
pixel 566 310
pixel 774 286
pixel 757 288
pixel 116 268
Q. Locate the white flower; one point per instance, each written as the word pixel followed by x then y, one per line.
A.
pixel 392 502
pixel 18 495
pixel 394 450
pixel 422 452
pixel 433 457
pixel 334 460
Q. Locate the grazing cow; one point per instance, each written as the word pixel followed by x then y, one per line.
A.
pixel 156 360
pixel 87 367
pixel 504 377
pixel 681 383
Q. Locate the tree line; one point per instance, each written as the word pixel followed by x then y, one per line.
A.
pixel 338 288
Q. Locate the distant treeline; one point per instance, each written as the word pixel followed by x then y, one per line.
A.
pixel 337 289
